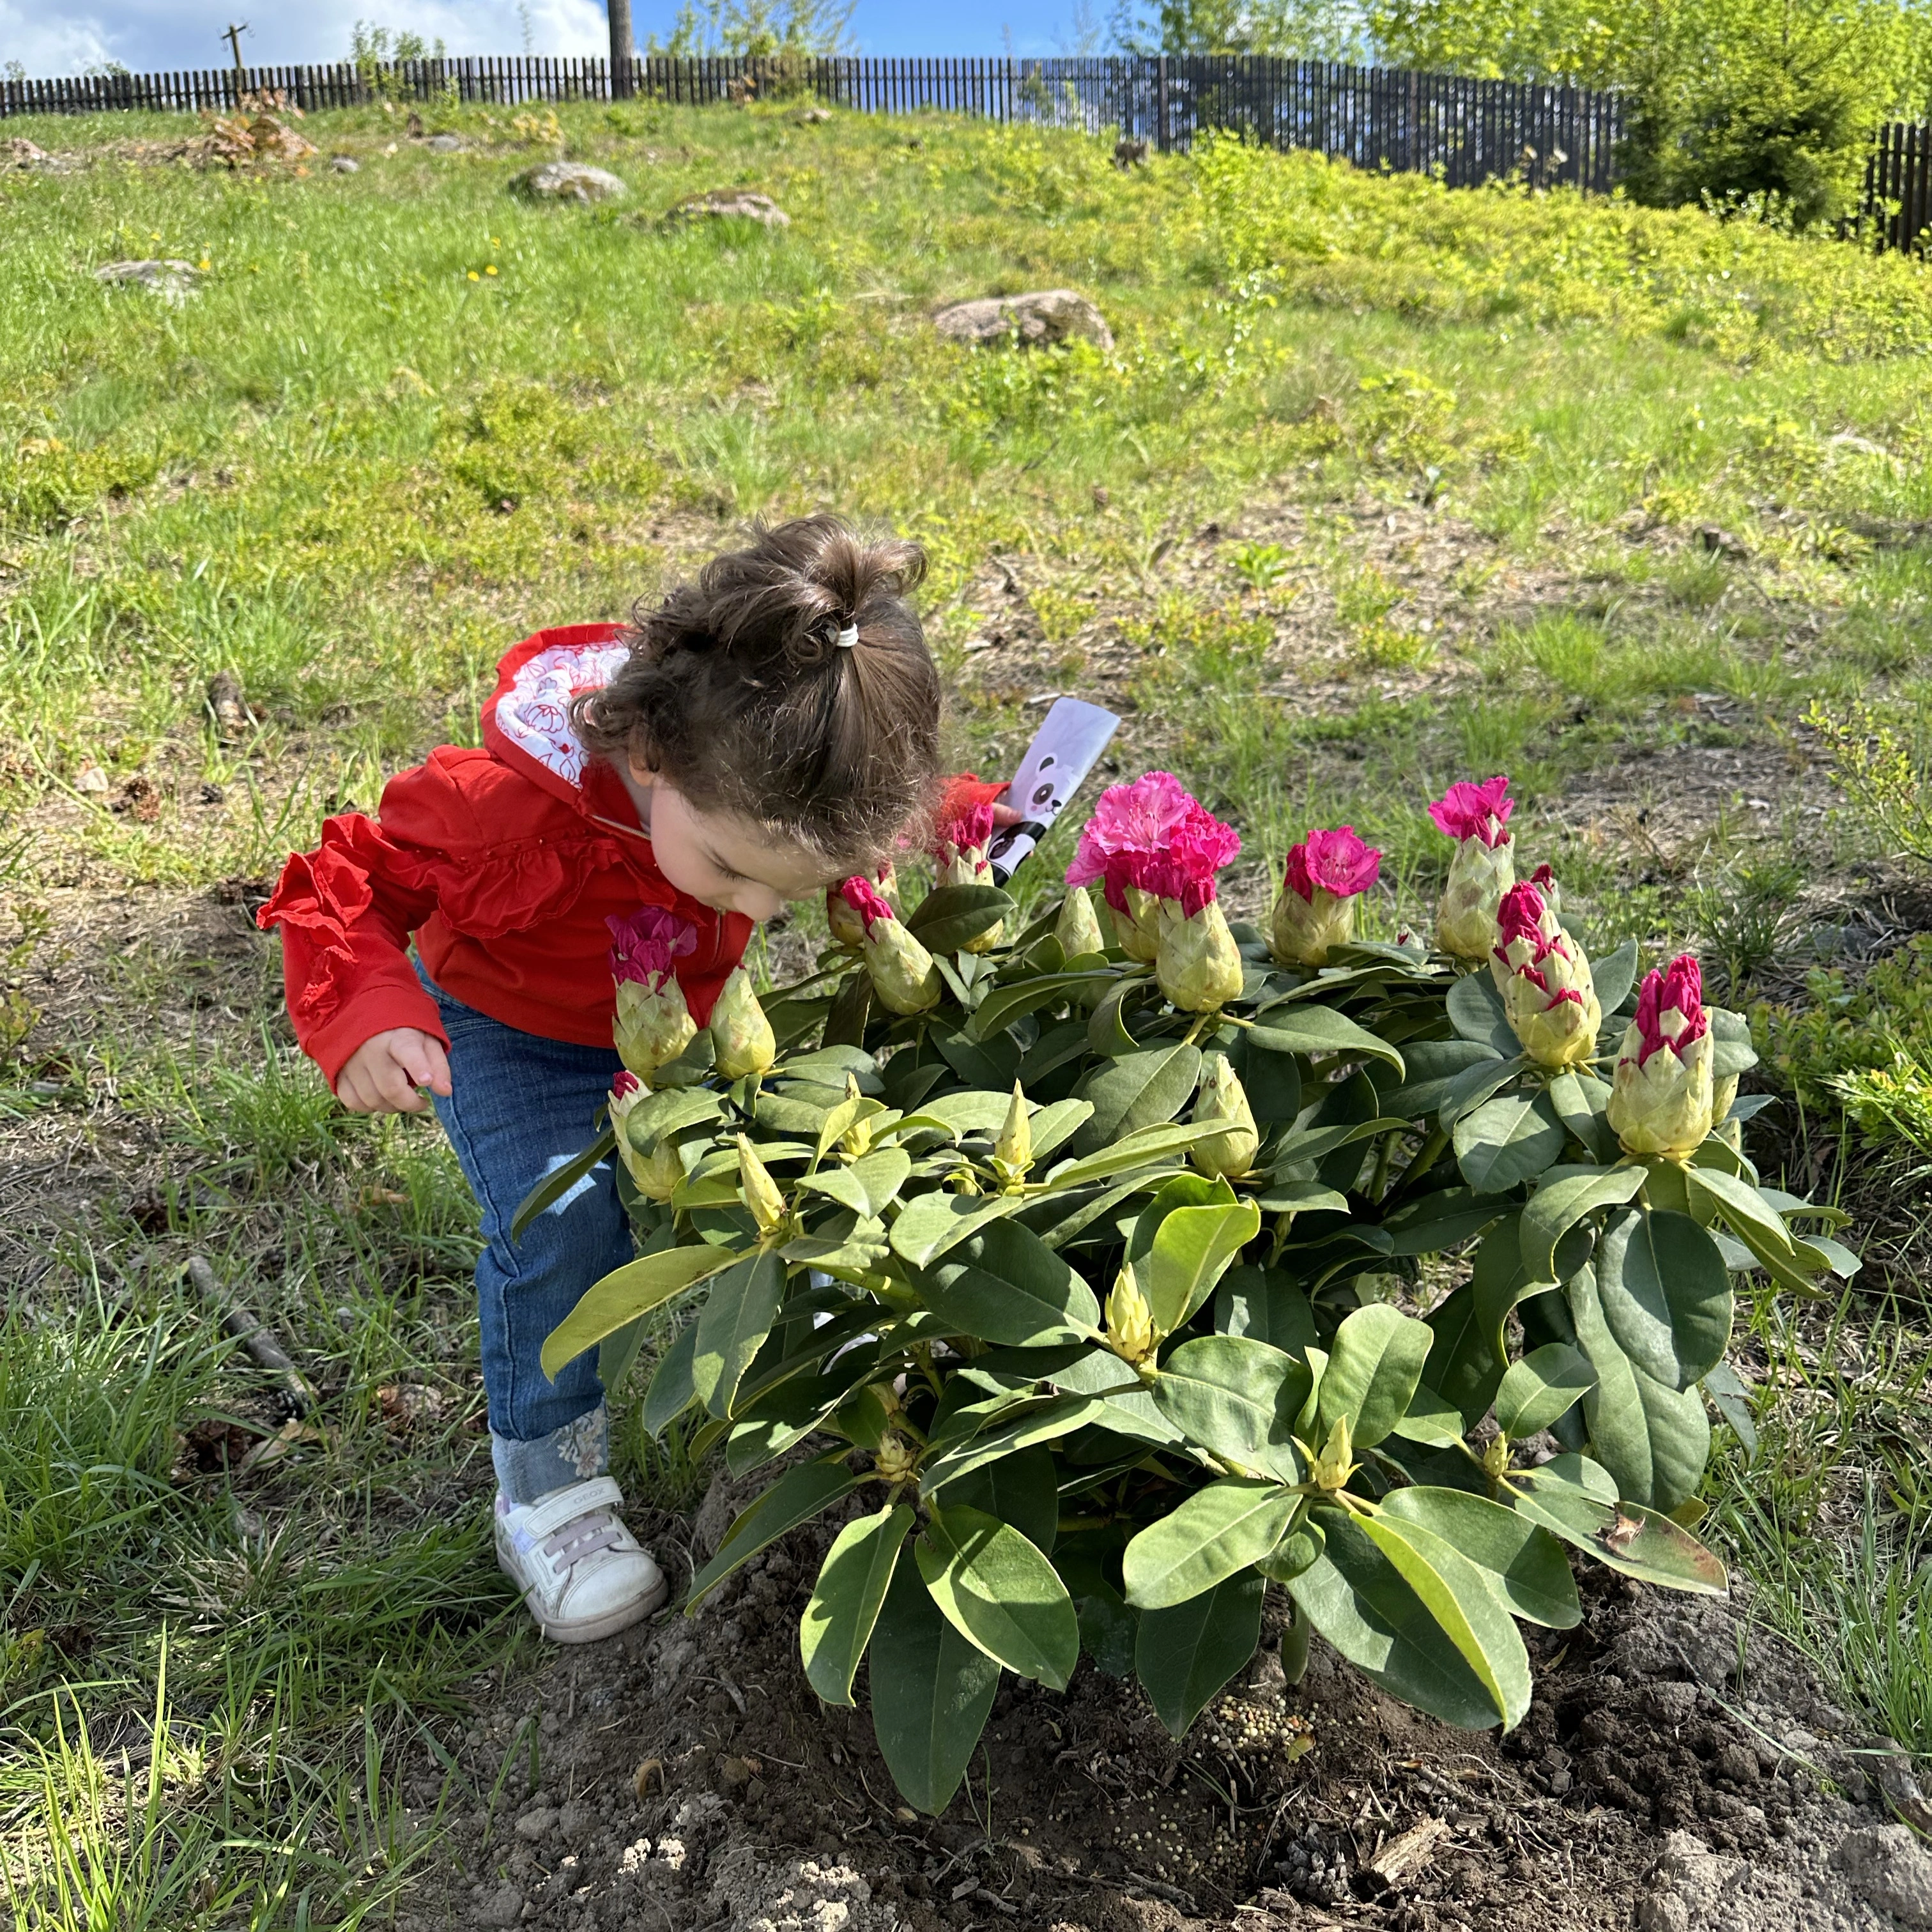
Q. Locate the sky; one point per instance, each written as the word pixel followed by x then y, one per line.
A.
pixel 49 38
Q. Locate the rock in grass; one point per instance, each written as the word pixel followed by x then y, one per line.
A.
pixel 346 164
pixel 444 144
pixel 1045 317
pixel 728 204
pixel 22 153
pixel 567 181
pixel 172 281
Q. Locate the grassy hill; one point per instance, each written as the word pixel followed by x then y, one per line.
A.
pixel 1379 486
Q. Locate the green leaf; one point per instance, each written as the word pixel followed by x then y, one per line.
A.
pixel 737 1316
pixel 852 1583
pixel 1452 1589
pixel 997 1589
pixel 1547 1382
pixel 669 1392
pixel 625 1294
pixel 949 917
pixel 1266 1305
pixel 1184 1655
pixel 1523 1565
pixel 1563 1200
pixel 1237 1397
pixel 1476 1012
pixel 1313 1029
pixel 1665 1295
pixel 800 1494
pixel 1215 1534
pixel 1725 1388
pixel 1440 1220
pixel 1474 1084
pixel 1581 1098
pixel 1731 1049
pixel 1508 1141
pixel 868 1185
pixel 1629 1538
pixel 1005 1284
pixel 1653 1438
pixel 1712 1191
pixel 1022 1490
pixel 1375 1363
pixel 560 1180
pixel 1358 1601
pixel 1044 1423
pixel 1271 1081
pixel 1139 1089
pixel 1191 1249
pixel 1432 1066
pixel 1054 1125
pixel 1431 1419
pixel 929 1225
pixel 1108 1627
pixel 1005 1004
pixel 1139 1149
pixel 617 1355
pixel 931 1690
pixel 1614 975
pixel 1298 1551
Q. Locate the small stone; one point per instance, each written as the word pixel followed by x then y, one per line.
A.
pixel 505 1907
pixel 444 144
pixel 535 1824
pixel 21 153
pixel 347 164
pixel 572 1822
pixel 1890 1869
pixel 567 181
pixel 170 280
pixel 1045 317
pixel 91 780
pixel 730 204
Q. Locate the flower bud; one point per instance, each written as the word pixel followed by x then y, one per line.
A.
pixel 1137 924
pixel 1129 1321
pixel 1466 916
pixel 1663 1096
pixel 741 1035
pixel 658 1173
pixel 1723 1096
pixel 960 850
pixel 848 929
pixel 1315 911
pixel 761 1192
pixel 1013 1152
pixel 856 1142
pixel 1198 964
pixel 1222 1098
pixel 903 974
pixel 1331 1469
pixel 1077 928
pixel 652 1026
pixel 1549 998
pixel 894 1458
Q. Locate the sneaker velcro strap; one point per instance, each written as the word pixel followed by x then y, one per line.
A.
pixel 567 1505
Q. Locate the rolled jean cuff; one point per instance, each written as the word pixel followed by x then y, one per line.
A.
pixel 528 1471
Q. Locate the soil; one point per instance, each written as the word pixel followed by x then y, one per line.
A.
pixel 1678 1768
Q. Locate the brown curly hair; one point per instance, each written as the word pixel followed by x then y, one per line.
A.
pixel 737 690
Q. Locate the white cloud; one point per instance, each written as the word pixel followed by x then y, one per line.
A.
pixel 152 36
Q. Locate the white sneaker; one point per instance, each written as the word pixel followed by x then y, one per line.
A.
pixel 581 1572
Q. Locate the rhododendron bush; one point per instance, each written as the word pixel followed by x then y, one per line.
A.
pixel 1103 1273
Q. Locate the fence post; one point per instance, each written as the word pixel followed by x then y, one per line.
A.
pixel 1160 108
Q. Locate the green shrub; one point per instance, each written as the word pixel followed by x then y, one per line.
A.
pixel 1087 1305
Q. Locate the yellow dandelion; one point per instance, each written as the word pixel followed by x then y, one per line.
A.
pixel 474 276
pixel 491 269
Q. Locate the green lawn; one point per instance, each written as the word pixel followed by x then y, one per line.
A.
pixel 1380 486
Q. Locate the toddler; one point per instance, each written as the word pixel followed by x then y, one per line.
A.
pixel 764 733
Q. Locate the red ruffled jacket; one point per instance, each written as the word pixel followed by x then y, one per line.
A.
pixel 504 863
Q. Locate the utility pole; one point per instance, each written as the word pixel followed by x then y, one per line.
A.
pixel 236 28
pixel 621 49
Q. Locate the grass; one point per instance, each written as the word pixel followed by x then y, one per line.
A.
pixel 1379 486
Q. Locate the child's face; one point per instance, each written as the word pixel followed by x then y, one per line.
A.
pixel 727 862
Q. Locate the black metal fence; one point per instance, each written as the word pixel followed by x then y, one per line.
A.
pixel 1898 187
pixel 1470 130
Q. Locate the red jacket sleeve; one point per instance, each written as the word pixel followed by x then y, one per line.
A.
pixel 347 910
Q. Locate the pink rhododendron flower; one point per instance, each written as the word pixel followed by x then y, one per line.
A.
pixel 971 831
pixel 1469 811
pixel 1549 996
pixel 1664 1103
pixel 626 1084
pixel 643 945
pixel 1336 862
pixel 865 898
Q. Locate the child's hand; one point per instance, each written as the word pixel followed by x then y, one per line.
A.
pixel 383 1074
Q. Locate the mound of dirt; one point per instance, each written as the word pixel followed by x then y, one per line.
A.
pixel 1676 1770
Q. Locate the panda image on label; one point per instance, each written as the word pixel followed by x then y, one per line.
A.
pixel 1066 748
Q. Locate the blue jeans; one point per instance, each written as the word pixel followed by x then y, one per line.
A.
pixel 522 1105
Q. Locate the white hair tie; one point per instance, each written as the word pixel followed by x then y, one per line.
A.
pixel 847 638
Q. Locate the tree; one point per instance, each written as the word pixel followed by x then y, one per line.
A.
pixel 1332 30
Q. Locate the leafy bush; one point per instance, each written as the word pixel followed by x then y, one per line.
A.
pixel 1081 1260
pixel 1848 1028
